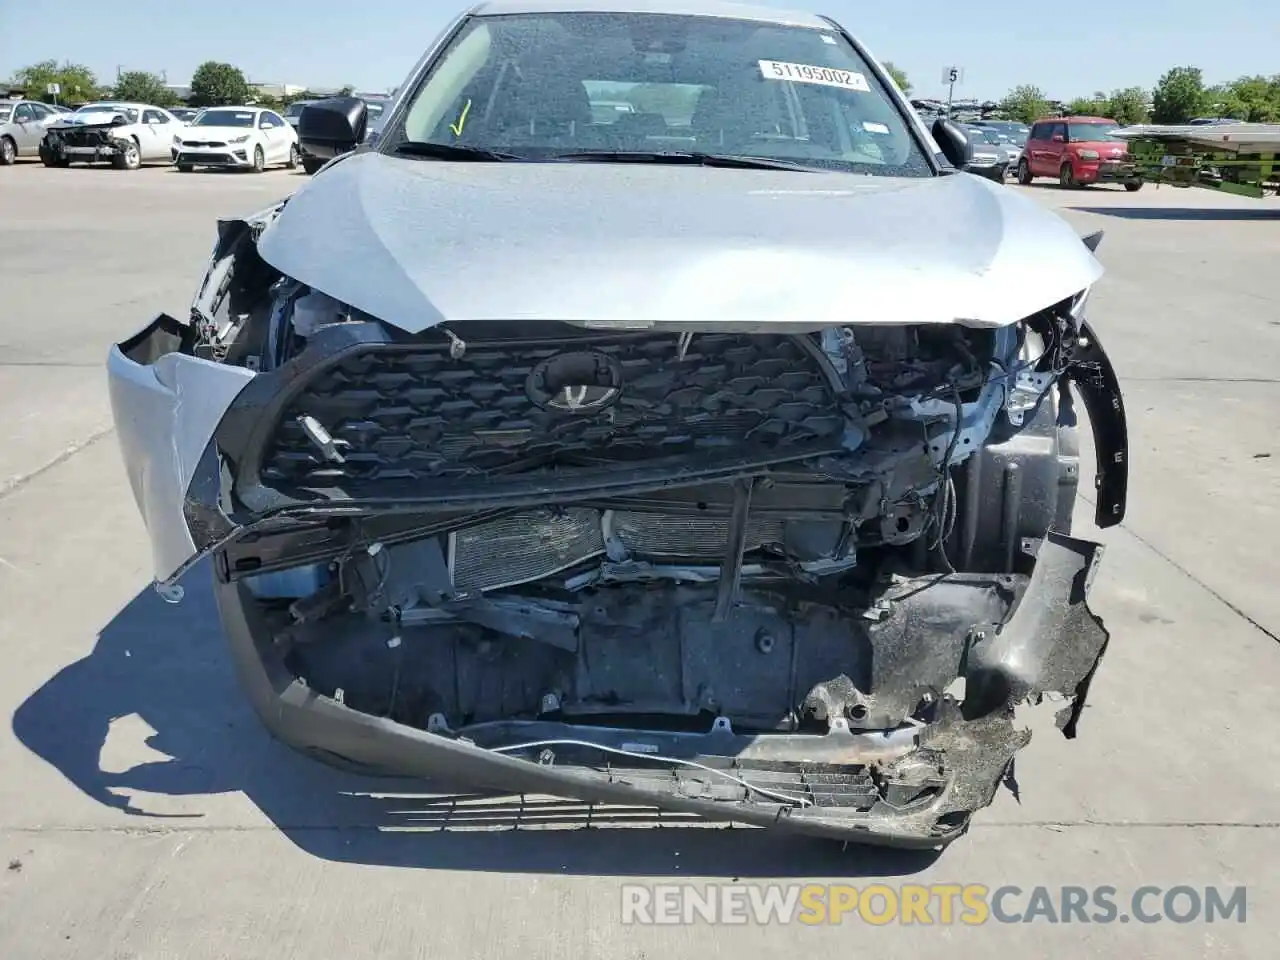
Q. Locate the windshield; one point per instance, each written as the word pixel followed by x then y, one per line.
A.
pixel 1092 131
pixel 547 84
pixel 225 118
pixel 295 109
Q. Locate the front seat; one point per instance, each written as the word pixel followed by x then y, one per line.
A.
pixel 726 121
pixel 551 110
pixel 634 129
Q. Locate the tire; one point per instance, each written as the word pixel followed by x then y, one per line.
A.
pixel 52 160
pixel 311 165
pixel 185 168
pixel 130 159
pixel 1133 187
pixel 259 160
pixel 8 152
pixel 295 157
pixel 1067 178
pixel 1024 172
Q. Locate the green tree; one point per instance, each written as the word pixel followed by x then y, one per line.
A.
pixel 269 102
pixel 1127 106
pixel 1089 106
pixel 899 77
pixel 217 84
pixel 1025 103
pixel 139 86
pixel 1253 99
pixel 77 81
pixel 1179 96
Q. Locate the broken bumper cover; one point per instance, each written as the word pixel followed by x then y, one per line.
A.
pixel 911 785
pixel 166 405
pixel 82 143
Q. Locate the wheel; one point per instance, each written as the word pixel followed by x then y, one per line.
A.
pixel 1066 178
pixel 311 165
pixel 130 158
pixel 295 156
pixel 1024 172
pixel 185 168
pixel 259 160
pixel 8 152
pixel 1133 187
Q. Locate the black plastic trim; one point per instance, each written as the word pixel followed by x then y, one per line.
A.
pixel 247 430
pixel 1096 381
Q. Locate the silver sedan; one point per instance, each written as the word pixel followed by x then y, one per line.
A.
pixel 22 124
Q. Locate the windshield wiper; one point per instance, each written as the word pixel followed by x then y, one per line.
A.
pixel 691 158
pixel 450 151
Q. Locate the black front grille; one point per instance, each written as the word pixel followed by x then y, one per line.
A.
pixel 416 413
pixel 85 138
pixel 206 159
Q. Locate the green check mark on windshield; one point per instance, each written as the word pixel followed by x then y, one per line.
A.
pixel 462 120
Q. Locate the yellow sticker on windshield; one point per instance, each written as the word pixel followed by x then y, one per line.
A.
pixel 462 120
pixel 808 73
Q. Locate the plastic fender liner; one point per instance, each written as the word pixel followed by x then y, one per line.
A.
pixel 1095 379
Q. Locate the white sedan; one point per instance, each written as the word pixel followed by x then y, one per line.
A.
pixel 248 138
pixel 127 134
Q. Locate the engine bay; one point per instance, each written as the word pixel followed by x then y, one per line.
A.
pixel 816 568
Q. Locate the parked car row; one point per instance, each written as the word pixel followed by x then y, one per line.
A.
pixel 127 135
pixel 1075 151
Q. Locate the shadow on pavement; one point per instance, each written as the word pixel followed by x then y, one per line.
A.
pixel 166 664
pixel 1186 213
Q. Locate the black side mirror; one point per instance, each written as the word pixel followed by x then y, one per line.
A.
pixel 952 141
pixel 333 127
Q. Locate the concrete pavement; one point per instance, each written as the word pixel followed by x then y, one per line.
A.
pixel 144 813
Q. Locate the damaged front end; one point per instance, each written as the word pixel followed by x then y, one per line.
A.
pixel 795 578
pixel 89 143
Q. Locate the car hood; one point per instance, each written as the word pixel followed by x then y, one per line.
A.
pixel 86 119
pixel 422 242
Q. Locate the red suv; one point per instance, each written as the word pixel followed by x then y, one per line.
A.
pixel 1078 151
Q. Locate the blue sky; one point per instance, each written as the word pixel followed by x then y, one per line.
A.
pixel 372 45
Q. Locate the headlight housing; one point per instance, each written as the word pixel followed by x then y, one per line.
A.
pixel 1087 154
pixel 177 141
pixel 239 139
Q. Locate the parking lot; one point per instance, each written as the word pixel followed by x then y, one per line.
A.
pixel 144 812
